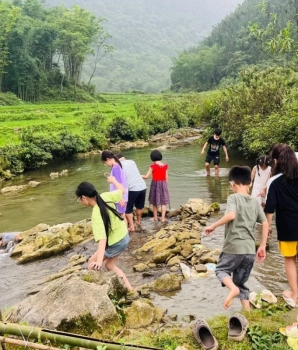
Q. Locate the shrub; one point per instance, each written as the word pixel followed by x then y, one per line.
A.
pixel 9 99
pixel 121 128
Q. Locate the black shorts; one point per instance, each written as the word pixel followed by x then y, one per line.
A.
pixel 210 158
pixel 135 199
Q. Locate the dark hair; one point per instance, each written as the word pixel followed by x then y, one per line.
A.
pixel 88 190
pixel 155 155
pixel 120 155
pixel 109 155
pixel 274 154
pixel 241 175
pixel 286 161
pixel 217 132
pixel 263 160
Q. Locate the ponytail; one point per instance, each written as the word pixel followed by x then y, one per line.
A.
pixel 263 160
pixel 104 209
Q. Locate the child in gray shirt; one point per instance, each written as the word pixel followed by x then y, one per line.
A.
pixel 239 250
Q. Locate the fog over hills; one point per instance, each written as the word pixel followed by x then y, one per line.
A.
pixel 146 35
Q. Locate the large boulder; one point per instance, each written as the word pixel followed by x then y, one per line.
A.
pixel 43 241
pixel 66 300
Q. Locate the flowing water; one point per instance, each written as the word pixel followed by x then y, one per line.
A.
pixel 53 202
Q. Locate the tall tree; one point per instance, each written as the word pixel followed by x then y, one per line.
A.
pixel 8 17
pixel 78 31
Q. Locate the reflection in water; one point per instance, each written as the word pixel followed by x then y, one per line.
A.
pixel 53 202
pixel 217 188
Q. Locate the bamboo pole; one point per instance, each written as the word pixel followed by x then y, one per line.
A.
pixel 70 339
pixel 26 344
pixel 3 347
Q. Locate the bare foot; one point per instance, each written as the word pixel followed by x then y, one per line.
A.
pixel 288 294
pixel 233 293
pixel 131 229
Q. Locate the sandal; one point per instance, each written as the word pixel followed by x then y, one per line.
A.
pixel 289 301
pixel 238 325
pixel 255 300
pixel 204 336
pixel 268 296
pixel 290 331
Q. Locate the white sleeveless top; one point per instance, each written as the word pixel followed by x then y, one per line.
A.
pixel 260 181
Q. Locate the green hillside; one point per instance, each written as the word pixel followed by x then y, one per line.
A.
pixel 230 47
pixel 146 35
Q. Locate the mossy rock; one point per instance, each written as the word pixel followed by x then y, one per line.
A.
pixel 215 206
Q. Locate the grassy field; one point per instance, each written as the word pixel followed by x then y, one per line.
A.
pixel 67 116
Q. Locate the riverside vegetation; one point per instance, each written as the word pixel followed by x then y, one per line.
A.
pixel 33 135
pixel 257 112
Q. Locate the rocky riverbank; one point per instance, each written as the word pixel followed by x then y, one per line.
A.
pixel 96 303
pixel 65 301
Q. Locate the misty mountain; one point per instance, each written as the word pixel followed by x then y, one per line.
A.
pixel 146 35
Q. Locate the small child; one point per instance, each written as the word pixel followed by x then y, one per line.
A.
pixel 259 176
pixel 239 250
pixel 159 193
pixel 214 142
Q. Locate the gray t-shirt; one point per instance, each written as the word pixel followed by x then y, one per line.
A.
pixel 134 180
pixel 239 233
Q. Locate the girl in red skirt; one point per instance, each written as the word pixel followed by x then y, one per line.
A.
pixel 159 193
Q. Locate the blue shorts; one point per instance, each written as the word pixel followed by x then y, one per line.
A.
pixel 118 247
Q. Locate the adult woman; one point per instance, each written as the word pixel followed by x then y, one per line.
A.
pixel 112 161
pixel 108 226
pixel 283 199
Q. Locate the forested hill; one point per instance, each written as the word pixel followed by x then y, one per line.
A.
pixel 146 35
pixel 230 47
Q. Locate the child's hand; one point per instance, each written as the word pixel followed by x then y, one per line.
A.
pixel 111 179
pixel 262 193
pixel 94 266
pixel 122 203
pixel 209 229
pixel 261 254
pixel 202 152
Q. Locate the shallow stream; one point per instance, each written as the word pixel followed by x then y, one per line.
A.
pixel 54 202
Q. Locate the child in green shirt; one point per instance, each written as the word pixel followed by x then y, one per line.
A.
pixel 238 253
pixel 108 226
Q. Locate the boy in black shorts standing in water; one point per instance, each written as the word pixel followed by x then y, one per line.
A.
pixel 214 143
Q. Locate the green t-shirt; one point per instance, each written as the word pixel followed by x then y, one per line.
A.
pixel 118 227
pixel 239 233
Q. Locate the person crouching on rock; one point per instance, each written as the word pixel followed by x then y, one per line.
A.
pixel 109 228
